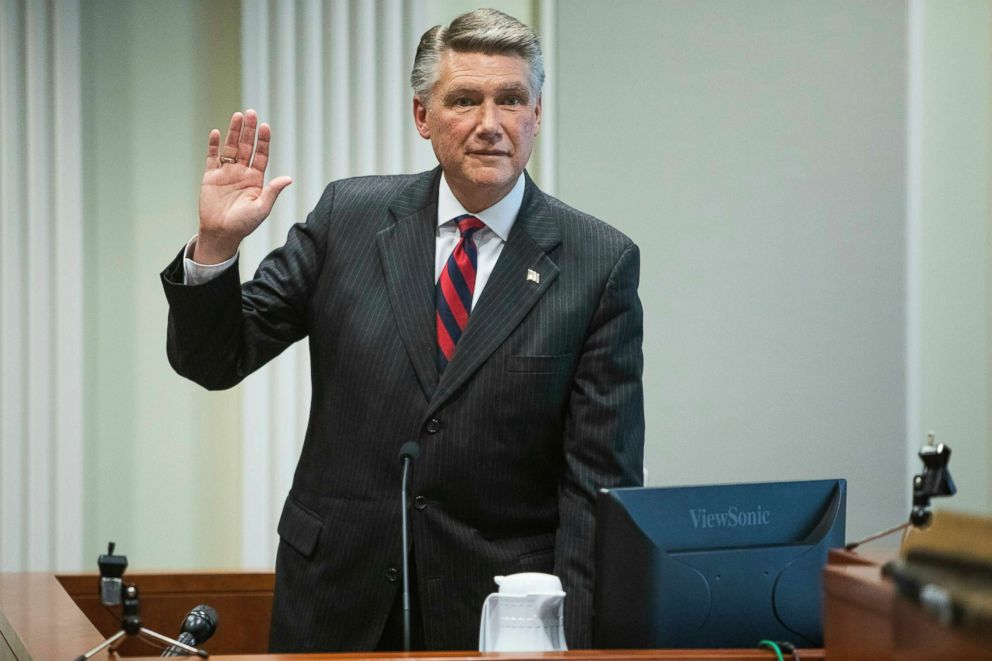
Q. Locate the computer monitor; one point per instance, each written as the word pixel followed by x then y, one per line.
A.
pixel 714 566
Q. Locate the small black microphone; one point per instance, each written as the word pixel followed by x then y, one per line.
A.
pixel 199 625
pixel 409 450
pixel 408 453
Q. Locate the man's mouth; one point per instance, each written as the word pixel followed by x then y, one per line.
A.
pixel 488 152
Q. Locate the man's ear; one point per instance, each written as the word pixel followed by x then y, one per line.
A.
pixel 420 118
pixel 537 114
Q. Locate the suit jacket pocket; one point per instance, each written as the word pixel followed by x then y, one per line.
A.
pixel 538 364
pixel 299 527
pixel 542 561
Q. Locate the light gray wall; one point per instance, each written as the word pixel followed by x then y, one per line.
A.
pixel 950 214
pixel 756 152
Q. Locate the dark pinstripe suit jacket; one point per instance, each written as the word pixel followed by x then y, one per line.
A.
pixel 540 406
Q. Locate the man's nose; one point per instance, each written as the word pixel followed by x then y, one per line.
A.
pixel 489 125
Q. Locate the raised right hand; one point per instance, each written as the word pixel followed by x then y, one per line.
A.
pixel 233 197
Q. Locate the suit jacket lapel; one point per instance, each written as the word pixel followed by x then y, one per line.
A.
pixel 406 249
pixel 509 293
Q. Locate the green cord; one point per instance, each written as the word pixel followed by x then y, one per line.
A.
pixel 773 646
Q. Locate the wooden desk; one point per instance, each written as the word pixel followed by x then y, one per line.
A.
pixel 864 618
pixel 44 616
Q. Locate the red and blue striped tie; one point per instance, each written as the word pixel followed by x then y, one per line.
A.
pixel 455 289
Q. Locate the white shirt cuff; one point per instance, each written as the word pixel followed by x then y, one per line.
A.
pixel 197 274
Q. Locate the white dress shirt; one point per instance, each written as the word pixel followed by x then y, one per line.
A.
pixel 489 241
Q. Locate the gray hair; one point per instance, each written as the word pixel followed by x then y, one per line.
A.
pixel 480 31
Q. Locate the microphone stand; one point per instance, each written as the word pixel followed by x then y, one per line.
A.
pixel 934 482
pixel 409 452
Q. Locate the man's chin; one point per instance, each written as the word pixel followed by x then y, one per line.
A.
pixel 491 177
pixel 481 187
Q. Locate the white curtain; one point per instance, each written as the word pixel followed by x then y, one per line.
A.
pixel 331 77
pixel 41 272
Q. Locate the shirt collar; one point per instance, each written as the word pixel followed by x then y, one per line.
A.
pixel 499 217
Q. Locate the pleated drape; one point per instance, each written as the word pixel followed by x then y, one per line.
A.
pixel 41 275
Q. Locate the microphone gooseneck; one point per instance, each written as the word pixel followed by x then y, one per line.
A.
pixel 409 452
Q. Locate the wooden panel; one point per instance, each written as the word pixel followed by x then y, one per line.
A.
pixel 243 602
pixel 867 558
pixel 920 637
pixel 857 613
pixel 864 618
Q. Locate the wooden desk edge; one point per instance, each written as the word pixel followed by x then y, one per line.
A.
pixel 571 655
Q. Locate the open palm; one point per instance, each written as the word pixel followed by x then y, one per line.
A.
pixel 234 199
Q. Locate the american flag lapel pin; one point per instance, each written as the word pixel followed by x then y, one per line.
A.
pixel 533 276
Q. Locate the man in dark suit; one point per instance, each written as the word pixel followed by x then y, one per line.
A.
pixel 463 308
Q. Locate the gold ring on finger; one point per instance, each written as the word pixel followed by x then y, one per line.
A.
pixel 227 159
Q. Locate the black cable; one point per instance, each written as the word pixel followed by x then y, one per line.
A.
pixel 790 648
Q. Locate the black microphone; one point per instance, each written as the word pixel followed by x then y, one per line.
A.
pixel 408 453
pixel 410 450
pixel 199 625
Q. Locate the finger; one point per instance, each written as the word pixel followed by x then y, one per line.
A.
pixel 262 148
pixel 233 134
pixel 213 149
pixel 247 142
pixel 271 192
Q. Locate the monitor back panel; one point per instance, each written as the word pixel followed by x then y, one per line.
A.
pixel 714 566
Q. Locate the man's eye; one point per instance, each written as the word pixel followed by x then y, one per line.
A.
pixel 463 102
pixel 513 101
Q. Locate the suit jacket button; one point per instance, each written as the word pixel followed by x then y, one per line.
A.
pixel 393 574
pixel 433 426
pixel 420 502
